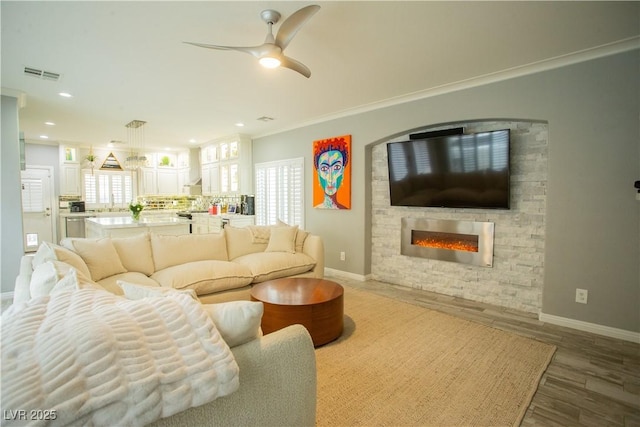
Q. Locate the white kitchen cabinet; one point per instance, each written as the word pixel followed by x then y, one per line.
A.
pixel 203 223
pixel 70 183
pixel 149 181
pixel 211 179
pixel 166 173
pixel 167 180
pixel 227 166
pixel 70 179
pixel 240 221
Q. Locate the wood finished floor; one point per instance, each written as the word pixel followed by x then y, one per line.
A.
pixel 592 380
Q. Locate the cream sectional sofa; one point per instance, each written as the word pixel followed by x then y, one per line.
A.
pixel 277 371
pixel 218 267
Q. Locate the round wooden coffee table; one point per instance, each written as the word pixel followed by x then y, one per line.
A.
pixel 317 304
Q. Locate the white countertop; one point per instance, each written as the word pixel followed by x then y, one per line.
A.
pixel 127 221
pixel 223 216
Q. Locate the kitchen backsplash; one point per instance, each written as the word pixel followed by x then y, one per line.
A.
pixel 185 203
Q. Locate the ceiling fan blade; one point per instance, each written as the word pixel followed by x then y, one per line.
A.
pixel 294 65
pixel 291 25
pixel 252 50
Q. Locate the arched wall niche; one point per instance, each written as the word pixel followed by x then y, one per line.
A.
pixel 516 278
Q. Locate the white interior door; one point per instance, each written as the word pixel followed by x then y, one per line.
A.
pixel 37 215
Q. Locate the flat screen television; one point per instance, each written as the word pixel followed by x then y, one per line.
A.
pixel 453 171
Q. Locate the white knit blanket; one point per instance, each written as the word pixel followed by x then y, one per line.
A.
pixel 93 358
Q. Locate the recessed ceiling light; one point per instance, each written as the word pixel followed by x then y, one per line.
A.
pixel 44 137
pixel 65 95
pixel 239 124
pixel 192 140
pixel 49 123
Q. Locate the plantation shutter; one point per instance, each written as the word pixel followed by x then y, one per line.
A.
pixel 280 192
pixel 90 189
pixel 32 194
pixel 108 187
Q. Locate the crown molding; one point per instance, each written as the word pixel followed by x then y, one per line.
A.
pixel 589 54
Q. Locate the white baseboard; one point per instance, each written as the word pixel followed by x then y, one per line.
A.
pixel 345 274
pixel 591 327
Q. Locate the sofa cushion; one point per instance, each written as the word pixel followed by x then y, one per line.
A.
pixel 169 250
pixel 135 253
pixel 111 283
pixel 273 265
pixel 237 321
pixel 282 239
pixel 204 277
pixel 240 242
pixel 100 256
pixel 135 291
pixel 48 251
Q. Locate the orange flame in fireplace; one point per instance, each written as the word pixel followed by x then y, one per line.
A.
pixel 452 245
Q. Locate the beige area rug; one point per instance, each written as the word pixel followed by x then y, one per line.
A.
pixel 398 364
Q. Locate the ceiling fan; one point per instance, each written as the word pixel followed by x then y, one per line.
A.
pixel 270 54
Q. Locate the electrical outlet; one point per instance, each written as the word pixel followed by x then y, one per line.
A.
pixel 581 296
pixel 343 256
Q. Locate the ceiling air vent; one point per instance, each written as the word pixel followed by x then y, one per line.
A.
pixel 41 74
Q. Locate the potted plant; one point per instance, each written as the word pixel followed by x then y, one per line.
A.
pixel 91 158
pixel 135 210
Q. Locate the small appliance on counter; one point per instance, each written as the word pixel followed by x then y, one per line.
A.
pixel 247 205
pixel 76 207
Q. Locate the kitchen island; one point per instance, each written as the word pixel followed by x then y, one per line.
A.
pixel 124 226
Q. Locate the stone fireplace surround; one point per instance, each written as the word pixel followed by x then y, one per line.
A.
pixel 516 278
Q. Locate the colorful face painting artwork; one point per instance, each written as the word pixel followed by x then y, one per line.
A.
pixel 332 173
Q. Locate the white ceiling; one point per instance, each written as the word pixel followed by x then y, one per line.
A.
pixel 126 60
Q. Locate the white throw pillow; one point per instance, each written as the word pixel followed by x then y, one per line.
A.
pixel 282 239
pixel 237 321
pixel 45 276
pixel 135 291
pixel 54 276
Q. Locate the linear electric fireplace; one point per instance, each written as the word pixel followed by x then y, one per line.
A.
pixel 466 242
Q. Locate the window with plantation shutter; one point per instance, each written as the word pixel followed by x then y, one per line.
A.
pixel 90 190
pixel 280 192
pixel 107 188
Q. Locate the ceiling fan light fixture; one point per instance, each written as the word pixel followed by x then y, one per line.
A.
pixel 270 62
